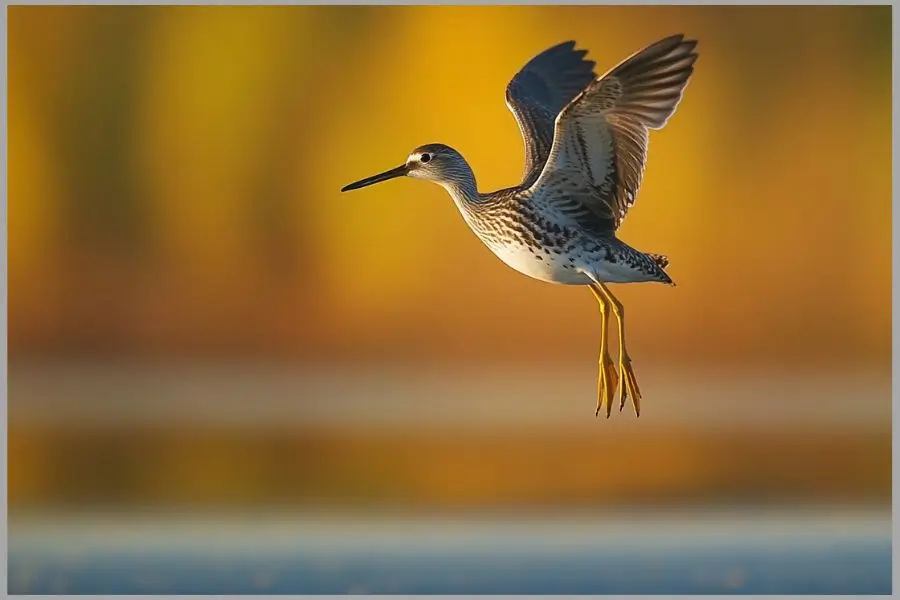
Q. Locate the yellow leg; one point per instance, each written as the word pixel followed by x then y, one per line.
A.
pixel 609 378
pixel 629 381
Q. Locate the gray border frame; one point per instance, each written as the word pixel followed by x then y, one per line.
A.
pixel 895 360
pixel 5 296
pixel 895 330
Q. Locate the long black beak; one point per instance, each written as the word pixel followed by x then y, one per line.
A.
pixel 396 172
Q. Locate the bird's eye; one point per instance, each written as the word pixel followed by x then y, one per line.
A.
pixel 425 158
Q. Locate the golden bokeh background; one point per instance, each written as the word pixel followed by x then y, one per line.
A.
pixel 174 177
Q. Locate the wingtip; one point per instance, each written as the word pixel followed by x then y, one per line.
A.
pixel 676 40
pixel 566 46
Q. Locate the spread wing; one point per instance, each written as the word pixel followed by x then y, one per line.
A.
pixel 600 139
pixel 539 91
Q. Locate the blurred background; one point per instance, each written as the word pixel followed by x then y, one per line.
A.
pixel 199 320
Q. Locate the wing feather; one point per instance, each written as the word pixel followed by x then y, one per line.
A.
pixel 600 138
pixel 539 91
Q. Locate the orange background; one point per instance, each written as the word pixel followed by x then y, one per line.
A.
pixel 174 177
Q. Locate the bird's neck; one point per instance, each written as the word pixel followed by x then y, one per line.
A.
pixel 463 189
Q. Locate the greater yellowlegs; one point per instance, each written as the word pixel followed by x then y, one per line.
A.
pixel 585 149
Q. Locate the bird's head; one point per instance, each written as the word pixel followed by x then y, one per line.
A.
pixel 432 162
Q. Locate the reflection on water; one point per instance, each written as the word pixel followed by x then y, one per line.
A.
pixel 812 553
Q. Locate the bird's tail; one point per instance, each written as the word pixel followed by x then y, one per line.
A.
pixel 662 261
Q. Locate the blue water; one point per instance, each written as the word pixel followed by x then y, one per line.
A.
pixel 680 556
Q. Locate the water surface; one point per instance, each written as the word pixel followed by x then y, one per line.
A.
pixel 837 552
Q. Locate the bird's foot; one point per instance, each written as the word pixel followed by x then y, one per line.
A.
pixel 606 386
pixel 629 386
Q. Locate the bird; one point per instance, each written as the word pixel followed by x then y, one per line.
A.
pixel 586 139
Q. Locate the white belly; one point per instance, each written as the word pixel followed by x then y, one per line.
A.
pixel 543 265
pixel 540 264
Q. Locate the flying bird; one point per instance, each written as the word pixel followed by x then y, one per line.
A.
pixel 585 150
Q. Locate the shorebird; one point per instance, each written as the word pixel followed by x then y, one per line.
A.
pixel 585 149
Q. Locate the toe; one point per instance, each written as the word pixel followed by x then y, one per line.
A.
pixel 612 381
pixel 601 391
pixel 633 389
